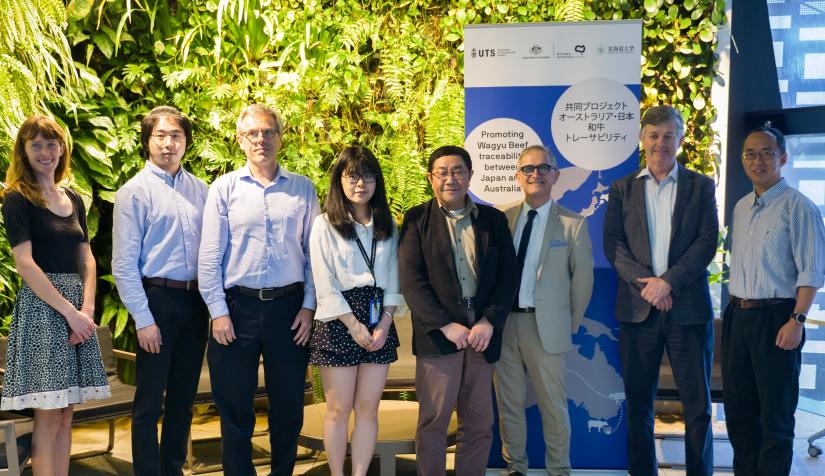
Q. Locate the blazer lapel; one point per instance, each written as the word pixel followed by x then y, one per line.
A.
pixel 637 202
pixel 512 214
pixel 683 191
pixel 441 237
pixel 549 229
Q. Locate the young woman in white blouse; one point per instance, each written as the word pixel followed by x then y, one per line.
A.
pixel 353 248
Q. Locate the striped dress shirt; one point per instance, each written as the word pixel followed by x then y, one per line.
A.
pixel 660 198
pixel 778 244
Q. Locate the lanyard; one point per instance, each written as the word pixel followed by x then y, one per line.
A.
pixel 371 259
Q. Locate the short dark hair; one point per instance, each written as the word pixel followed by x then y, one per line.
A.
pixel 660 114
pixel 147 126
pixel 357 159
pixel 446 150
pixel 780 138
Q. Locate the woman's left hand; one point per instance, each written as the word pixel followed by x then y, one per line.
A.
pixel 74 338
pixel 379 337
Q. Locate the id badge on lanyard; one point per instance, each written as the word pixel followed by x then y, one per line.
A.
pixel 376 304
pixel 377 300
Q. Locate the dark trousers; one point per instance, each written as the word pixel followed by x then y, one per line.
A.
pixel 183 321
pixel 761 389
pixel 261 328
pixel 690 350
pixel 462 381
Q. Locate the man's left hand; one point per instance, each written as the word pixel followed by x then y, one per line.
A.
pixel 303 324
pixel 480 335
pixel 655 290
pixel 789 335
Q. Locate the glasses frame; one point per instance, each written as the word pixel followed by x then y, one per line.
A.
pixel 536 168
pixel 266 134
pixel 353 179
pixel 175 137
pixel 456 173
pixel 764 155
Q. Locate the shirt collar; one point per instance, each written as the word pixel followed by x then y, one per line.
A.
pixel 281 174
pixel 162 174
pixel 543 210
pixel 469 207
pixel 674 173
pixel 771 194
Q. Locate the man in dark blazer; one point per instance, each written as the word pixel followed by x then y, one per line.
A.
pixel 457 268
pixel 660 234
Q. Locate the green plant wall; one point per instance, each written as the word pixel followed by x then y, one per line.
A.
pixel 385 74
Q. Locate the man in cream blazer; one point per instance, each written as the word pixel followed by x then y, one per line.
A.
pixel 555 261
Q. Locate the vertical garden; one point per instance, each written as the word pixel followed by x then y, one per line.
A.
pixel 385 74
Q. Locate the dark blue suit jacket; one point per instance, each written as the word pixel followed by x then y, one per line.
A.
pixel 693 244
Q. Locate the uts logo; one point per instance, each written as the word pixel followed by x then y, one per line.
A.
pixel 482 53
pixel 473 53
pixel 579 49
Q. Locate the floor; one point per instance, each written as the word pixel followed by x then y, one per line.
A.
pixel 205 425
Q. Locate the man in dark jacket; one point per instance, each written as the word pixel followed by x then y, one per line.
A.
pixel 660 234
pixel 457 268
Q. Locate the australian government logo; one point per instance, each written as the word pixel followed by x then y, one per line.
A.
pixel 536 52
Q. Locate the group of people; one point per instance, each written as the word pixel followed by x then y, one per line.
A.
pixel 495 298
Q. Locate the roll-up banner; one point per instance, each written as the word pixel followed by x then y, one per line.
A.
pixel 574 88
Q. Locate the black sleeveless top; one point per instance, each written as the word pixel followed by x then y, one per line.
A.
pixel 54 238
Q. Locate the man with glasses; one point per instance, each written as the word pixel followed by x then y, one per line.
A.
pixel 555 260
pixel 457 271
pixel 660 234
pixel 777 266
pixel 155 240
pixel 255 277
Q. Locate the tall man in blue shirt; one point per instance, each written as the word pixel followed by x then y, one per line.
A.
pixel 254 273
pixel 157 232
pixel 777 265
pixel 660 234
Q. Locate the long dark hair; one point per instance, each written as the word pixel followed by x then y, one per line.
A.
pixel 358 160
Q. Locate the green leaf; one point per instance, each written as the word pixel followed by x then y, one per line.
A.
pixel 706 36
pixel 104 44
pixel 651 7
pixel 699 102
pixel 79 9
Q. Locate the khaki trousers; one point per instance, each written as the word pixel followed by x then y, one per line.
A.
pixel 523 356
pixel 461 381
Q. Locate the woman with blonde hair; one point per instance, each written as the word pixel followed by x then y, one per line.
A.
pixel 53 359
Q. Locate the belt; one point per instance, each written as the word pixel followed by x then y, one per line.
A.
pixel 757 303
pixel 525 310
pixel 268 294
pixel 191 285
pixel 467 303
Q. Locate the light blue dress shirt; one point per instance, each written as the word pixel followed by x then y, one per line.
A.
pixel 527 288
pixel 778 244
pixel 256 236
pixel 157 232
pixel 660 198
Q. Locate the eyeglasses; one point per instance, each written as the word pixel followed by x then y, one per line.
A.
pixel 543 169
pixel 254 134
pixel 763 155
pixel 354 178
pixel 442 174
pixel 175 137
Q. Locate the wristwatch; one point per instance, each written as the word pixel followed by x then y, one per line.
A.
pixel 799 317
